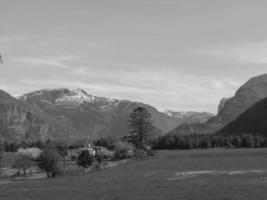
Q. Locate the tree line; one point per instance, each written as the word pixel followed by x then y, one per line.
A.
pixel 209 141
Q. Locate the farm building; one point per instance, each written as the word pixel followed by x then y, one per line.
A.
pixel 79 146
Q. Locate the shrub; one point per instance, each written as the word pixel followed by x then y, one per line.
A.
pixel 85 159
pixel 140 153
pixel 107 154
pixel 48 162
pixel 150 152
pixel 122 150
pixel 23 162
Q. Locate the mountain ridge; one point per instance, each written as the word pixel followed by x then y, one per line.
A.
pixel 252 121
pixel 229 109
pixel 76 113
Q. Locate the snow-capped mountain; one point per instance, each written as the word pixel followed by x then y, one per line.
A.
pixel 74 113
pixel 189 116
pixel 92 115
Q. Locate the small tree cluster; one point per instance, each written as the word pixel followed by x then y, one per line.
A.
pixel 23 162
pixel 48 162
pixel 209 141
pixel 85 159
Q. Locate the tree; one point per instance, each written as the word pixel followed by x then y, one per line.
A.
pixel 48 161
pixel 140 128
pixel 259 141
pixel 23 162
pixel 237 141
pixel 85 159
pixel 99 158
pixel 248 141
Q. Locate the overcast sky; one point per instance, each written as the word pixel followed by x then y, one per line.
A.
pixel 180 54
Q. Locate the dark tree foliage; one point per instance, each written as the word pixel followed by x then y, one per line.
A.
pixel 60 147
pixel 85 159
pixel 209 141
pixel 48 161
pixel 109 143
pixel 140 128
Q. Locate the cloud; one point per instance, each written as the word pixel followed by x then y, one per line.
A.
pixel 171 91
pixel 251 52
pixel 58 61
pixel 12 38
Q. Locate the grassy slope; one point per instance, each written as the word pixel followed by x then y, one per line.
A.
pixel 149 179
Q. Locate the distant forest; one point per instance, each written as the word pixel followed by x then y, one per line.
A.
pixel 209 141
pixel 169 142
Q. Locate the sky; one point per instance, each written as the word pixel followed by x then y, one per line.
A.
pixel 172 54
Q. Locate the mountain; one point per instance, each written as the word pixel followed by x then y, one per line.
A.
pixel 189 116
pixel 252 121
pixel 20 121
pixel 72 114
pixel 229 109
pixel 90 115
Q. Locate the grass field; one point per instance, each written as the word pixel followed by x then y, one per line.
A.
pixel 216 174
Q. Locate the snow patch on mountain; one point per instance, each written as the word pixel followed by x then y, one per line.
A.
pixel 180 114
pixel 76 96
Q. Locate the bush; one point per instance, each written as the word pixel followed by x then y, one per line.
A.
pixel 48 162
pixel 140 153
pixel 23 162
pixel 122 150
pixel 150 152
pixel 107 154
pixel 85 159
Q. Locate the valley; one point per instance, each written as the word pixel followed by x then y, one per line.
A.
pixel 216 174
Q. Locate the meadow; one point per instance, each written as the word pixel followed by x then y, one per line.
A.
pixel 213 174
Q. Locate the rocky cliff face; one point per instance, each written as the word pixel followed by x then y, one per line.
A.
pixel 229 109
pixel 19 121
pixel 222 104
